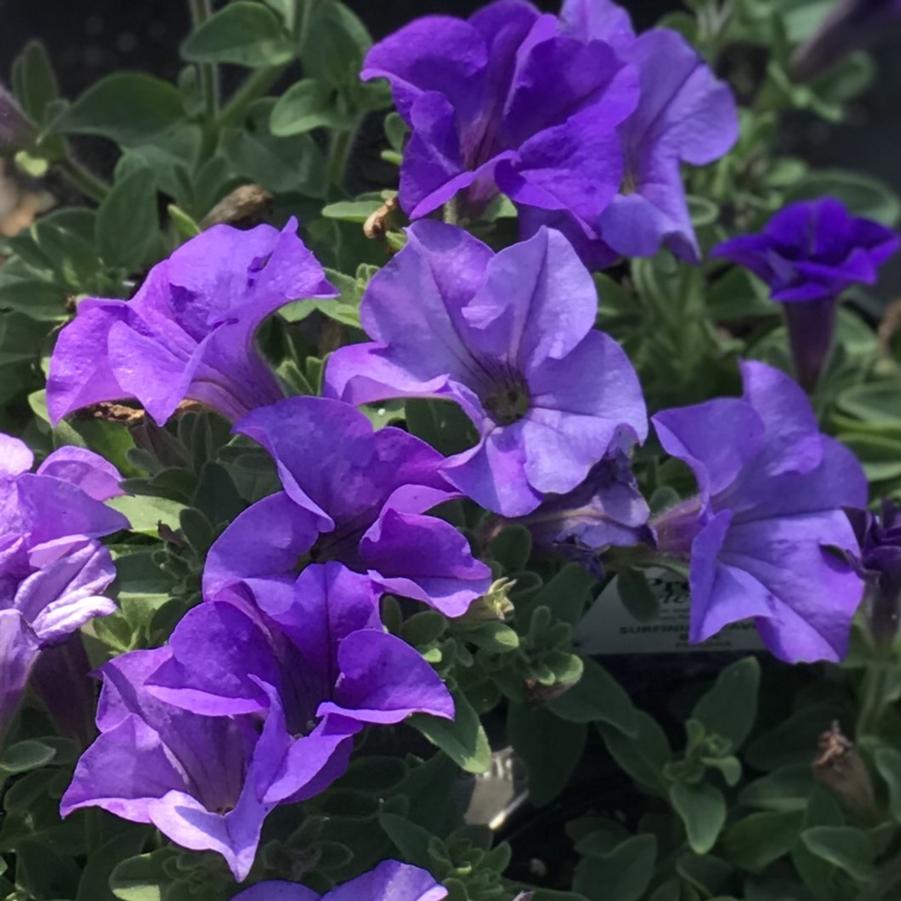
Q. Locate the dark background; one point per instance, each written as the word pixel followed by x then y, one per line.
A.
pixel 89 38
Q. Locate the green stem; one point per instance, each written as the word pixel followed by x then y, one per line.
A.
pixel 873 692
pixel 201 10
pixel 340 146
pixel 302 22
pixel 82 180
pixel 255 85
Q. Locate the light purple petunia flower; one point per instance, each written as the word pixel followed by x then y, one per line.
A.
pixel 772 489
pixel 389 881
pixel 510 338
pixel 199 779
pixel 189 330
pixel 606 510
pixel 505 102
pixel 809 253
pixel 53 571
pixel 324 653
pixel 684 115
pixel 352 495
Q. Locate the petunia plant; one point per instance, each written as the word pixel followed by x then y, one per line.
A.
pixel 459 460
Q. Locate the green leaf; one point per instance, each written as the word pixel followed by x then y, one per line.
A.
pixel 566 595
pixel 242 33
pixel 730 707
pixel 127 221
pixel 549 747
pixel 888 762
pixel 127 107
pixel 95 878
pixel 142 878
pixel 24 756
pixel 463 739
pixel 622 875
pixel 512 547
pixel 353 210
pixel 845 847
pixel 754 842
pixel 336 44
pixel 702 808
pixel 146 513
pixel 643 757
pixel 306 105
pixel 597 697
pixel 441 423
pixel 39 86
pixel 423 628
pixel 783 790
pixel 280 165
pixel 43 872
pixel 790 742
pixel 411 840
pixel 636 595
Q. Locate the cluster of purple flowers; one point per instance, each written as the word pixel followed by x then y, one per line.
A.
pixel 258 695
pixel 579 121
pixel 53 572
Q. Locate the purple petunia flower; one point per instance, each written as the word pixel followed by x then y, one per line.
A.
pixel 199 779
pixel 505 102
pixel 809 253
pixel 684 115
pixel 53 571
pixel 180 745
pixel 189 331
pixel 606 510
pixel 510 338
pixel 389 881
pixel 323 651
pixel 848 26
pixel 879 564
pixel 16 130
pixel 352 495
pixel 772 489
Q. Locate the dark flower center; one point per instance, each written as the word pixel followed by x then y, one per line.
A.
pixel 508 400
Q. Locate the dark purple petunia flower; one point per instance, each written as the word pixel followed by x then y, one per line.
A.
pixel 809 253
pixel 684 115
pixel 189 331
pixel 606 510
pixel 199 779
pixel 352 495
pixel 879 564
pixel 324 654
pixel 848 26
pixel 505 102
pixel 389 881
pixel 53 571
pixel 772 489
pixel 510 338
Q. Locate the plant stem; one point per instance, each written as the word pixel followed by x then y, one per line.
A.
pixel 340 146
pixel 302 23
pixel 201 10
pixel 82 180
pixel 873 692
pixel 255 85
